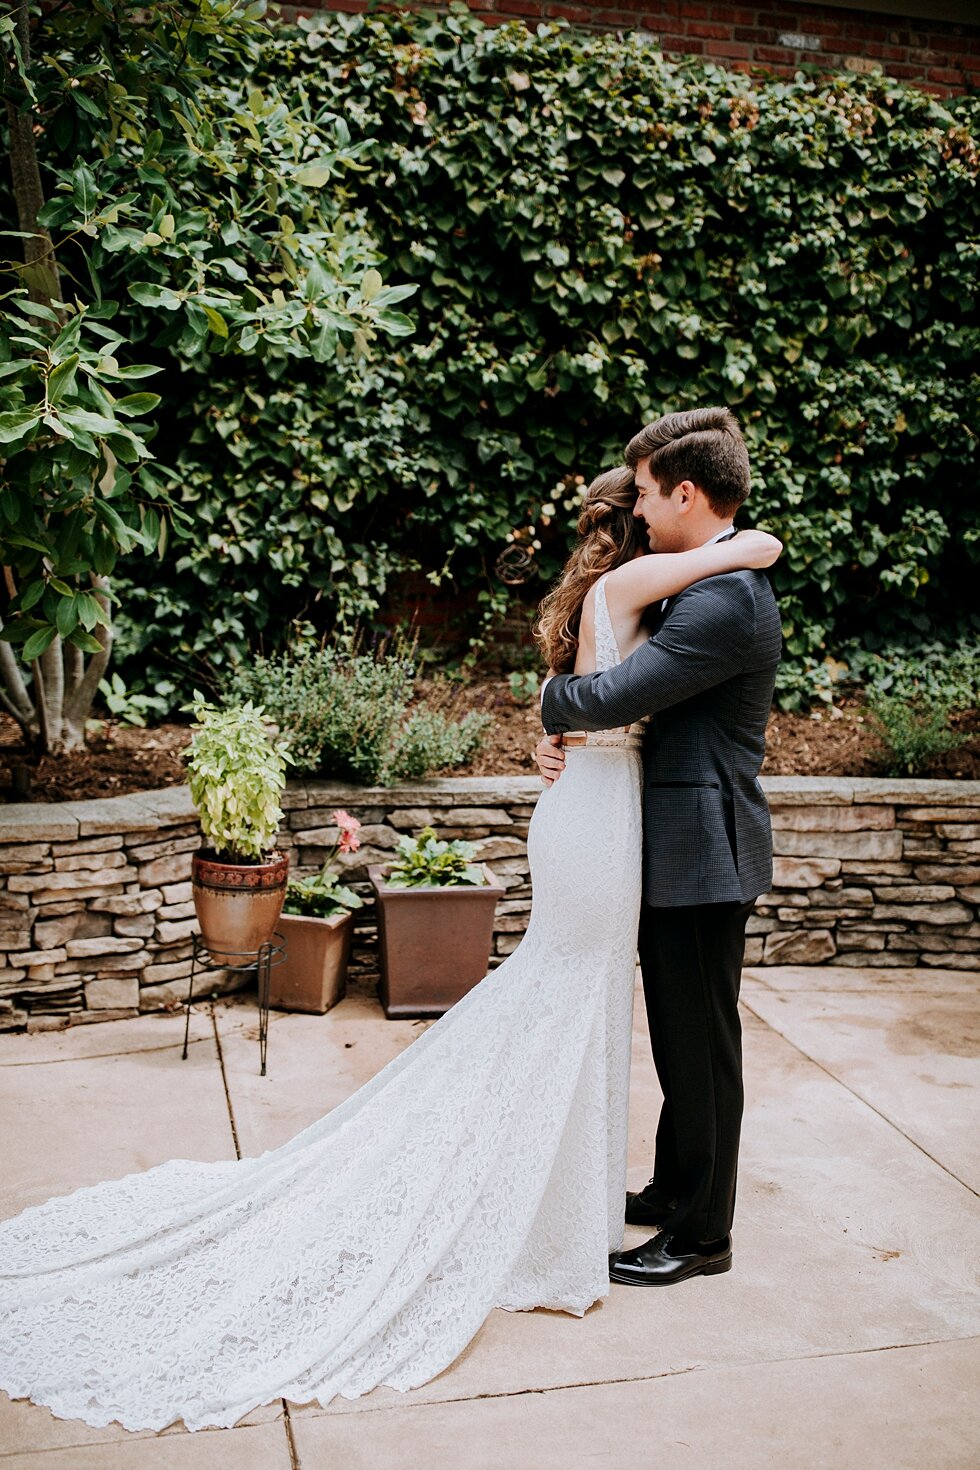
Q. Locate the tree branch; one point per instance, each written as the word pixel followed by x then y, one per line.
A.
pixel 13 690
pixel 44 729
pixel 80 702
pixel 54 691
pixel 74 668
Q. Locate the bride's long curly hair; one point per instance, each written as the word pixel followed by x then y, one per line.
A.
pixel 611 535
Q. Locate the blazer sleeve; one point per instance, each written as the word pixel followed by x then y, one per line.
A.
pixel 705 639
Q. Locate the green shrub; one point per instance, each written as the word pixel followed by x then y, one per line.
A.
pixel 913 732
pixel 935 672
pixel 431 741
pixel 524 685
pixel 342 706
pixel 345 709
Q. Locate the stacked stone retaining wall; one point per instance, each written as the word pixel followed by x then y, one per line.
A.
pixel 96 915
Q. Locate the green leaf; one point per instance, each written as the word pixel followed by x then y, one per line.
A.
pixel 32 594
pixel 62 379
pixel 37 308
pixel 149 295
pixel 66 616
pixel 396 324
pixel 313 175
pixel 216 321
pixel 90 423
pixel 135 405
pixel 16 424
pixel 84 192
pixel 371 284
pixel 38 643
pixel 87 642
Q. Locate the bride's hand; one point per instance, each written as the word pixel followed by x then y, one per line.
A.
pixel 756 548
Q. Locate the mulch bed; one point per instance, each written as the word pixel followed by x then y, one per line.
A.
pixel 121 759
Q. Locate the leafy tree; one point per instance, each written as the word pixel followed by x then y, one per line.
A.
pixel 156 187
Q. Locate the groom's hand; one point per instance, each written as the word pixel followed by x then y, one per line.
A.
pixel 550 758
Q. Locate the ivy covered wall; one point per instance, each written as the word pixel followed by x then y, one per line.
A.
pixel 599 235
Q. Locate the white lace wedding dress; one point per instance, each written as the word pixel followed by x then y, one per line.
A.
pixel 484 1167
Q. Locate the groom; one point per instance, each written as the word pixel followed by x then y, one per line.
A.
pixel 706 677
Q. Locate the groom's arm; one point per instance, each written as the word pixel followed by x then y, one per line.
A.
pixel 705 640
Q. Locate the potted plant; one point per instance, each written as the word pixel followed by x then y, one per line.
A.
pixel 236 773
pixel 435 924
pixel 317 923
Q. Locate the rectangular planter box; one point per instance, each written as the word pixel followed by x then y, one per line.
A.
pixel 434 943
pixel 314 976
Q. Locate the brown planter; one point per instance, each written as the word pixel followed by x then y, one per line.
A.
pixel 237 905
pixel 434 943
pixel 314 975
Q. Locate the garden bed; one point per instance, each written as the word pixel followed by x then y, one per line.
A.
pixel 124 759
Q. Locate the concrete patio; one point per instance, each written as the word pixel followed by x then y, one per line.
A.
pixel 847 1336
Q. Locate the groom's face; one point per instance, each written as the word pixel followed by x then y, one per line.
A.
pixel 664 522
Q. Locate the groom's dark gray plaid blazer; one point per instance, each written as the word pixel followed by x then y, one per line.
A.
pixel 706 677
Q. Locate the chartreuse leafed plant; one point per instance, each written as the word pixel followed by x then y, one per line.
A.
pixel 601 234
pixel 173 213
pixel 236 772
pixel 426 862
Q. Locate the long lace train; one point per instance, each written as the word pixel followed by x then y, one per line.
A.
pixel 485 1166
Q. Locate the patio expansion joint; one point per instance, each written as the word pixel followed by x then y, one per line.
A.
pixel 101 1056
pixel 294 1461
pixel 515 1393
pixel 859 1098
pixel 224 1080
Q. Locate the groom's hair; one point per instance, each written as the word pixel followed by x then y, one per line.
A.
pixel 705 446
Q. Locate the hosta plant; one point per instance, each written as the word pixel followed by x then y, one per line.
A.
pixel 236 772
pixel 428 863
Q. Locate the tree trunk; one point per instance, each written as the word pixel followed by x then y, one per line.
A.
pixel 53 712
pixel 41 269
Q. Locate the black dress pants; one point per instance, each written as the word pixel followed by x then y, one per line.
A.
pixel 691 960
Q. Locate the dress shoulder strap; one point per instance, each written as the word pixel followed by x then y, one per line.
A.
pixel 606 648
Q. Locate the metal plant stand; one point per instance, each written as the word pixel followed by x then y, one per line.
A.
pixel 262 960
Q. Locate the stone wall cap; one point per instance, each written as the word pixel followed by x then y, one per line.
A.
pixel 112 814
pixel 805 790
pixel 64 821
pixel 173 803
pixel 872 790
pixel 39 821
pixel 440 792
pixel 909 791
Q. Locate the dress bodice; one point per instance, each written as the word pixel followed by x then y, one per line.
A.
pixel 607 656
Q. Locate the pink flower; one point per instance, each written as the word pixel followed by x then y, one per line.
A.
pixel 349 828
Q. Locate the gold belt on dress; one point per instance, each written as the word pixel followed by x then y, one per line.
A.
pixel 629 737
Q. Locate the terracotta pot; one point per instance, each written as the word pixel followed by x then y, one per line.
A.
pixel 434 943
pixel 314 975
pixel 237 905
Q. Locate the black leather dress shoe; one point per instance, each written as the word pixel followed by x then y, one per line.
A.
pixel 641 1209
pixel 660 1263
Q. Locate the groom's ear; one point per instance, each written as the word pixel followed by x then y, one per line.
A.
pixel 684 495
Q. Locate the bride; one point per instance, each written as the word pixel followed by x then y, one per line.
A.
pixel 484 1167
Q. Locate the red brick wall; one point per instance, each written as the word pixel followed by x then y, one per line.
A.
pixel 941 57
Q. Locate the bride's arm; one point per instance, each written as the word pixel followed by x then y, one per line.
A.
pixel 651 578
